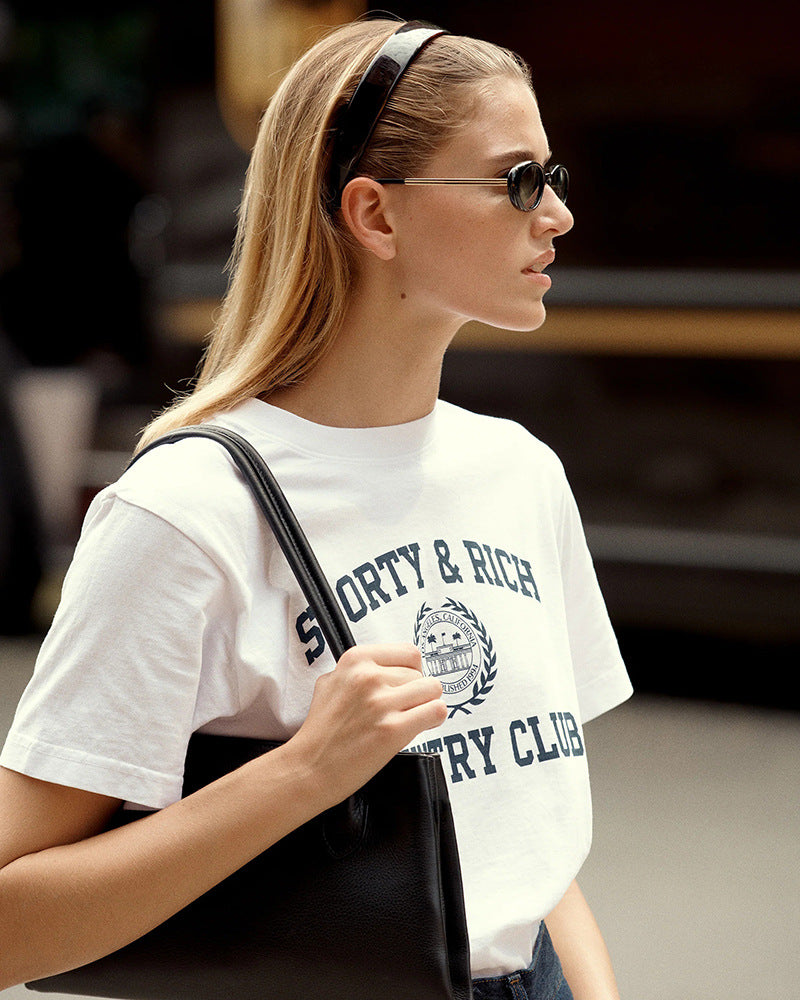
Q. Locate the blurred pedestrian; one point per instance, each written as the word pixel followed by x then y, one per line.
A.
pixel 20 524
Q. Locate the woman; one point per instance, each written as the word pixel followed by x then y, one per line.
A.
pixel 453 540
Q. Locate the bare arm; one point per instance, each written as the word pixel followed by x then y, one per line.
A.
pixel 580 946
pixel 70 894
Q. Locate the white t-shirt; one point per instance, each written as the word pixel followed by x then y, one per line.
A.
pixel 457 532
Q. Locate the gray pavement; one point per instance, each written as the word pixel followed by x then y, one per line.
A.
pixel 695 871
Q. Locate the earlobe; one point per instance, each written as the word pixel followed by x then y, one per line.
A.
pixel 366 215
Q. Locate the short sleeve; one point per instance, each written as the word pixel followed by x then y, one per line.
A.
pixel 112 701
pixel 600 675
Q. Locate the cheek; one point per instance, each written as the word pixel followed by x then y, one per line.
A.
pixel 454 248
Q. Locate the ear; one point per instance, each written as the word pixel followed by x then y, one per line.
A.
pixel 366 213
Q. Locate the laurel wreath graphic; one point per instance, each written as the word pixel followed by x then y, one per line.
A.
pixel 423 611
pixel 484 684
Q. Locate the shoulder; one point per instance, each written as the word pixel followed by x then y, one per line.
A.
pixel 179 477
pixel 500 438
pixel 176 471
pixel 192 487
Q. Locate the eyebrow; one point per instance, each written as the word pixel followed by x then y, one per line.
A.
pixel 516 156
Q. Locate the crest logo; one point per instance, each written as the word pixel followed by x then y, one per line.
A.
pixel 458 650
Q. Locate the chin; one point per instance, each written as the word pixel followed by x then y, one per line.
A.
pixel 532 320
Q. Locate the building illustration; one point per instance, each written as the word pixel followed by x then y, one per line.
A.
pixel 447 653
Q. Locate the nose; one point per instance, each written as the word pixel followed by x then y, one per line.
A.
pixel 552 215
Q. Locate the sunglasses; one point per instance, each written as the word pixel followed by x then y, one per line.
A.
pixel 525 183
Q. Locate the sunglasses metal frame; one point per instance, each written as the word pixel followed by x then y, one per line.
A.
pixel 361 114
pixel 545 176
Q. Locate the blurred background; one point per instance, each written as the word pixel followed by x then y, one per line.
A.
pixel 667 378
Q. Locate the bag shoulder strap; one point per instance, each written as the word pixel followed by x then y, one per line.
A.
pixel 288 533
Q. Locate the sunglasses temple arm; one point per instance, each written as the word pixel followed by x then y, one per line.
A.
pixel 501 181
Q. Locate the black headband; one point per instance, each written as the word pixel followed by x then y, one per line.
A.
pixel 361 114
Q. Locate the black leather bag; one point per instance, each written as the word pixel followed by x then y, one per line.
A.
pixel 362 902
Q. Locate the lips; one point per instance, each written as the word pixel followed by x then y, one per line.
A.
pixel 538 265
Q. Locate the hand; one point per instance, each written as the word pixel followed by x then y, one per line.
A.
pixel 370 706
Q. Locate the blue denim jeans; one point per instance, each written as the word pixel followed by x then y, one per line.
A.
pixel 542 980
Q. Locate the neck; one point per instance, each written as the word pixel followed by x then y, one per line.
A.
pixel 383 368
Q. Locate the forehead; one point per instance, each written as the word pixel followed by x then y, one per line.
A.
pixel 505 120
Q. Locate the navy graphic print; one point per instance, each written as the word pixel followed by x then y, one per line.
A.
pixel 457 649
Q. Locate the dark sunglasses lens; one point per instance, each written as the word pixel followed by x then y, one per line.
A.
pixel 525 185
pixel 558 179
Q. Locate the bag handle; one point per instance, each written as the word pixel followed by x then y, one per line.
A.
pixel 344 826
pixel 285 526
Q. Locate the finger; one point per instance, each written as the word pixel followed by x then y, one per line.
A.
pixel 398 676
pixel 428 716
pixel 418 692
pixel 400 654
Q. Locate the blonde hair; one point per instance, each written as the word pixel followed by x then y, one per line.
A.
pixel 293 261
